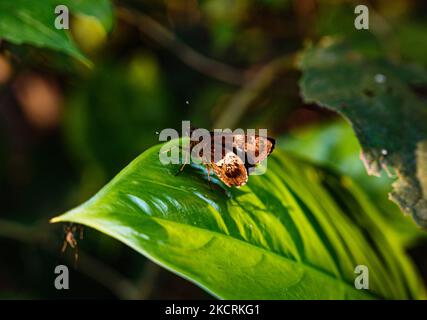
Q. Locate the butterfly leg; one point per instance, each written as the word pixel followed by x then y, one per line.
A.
pixel 64 246
pixel 181 169
pixel 208 168
pixel 69 238
pixel 170 149
pixel 183 165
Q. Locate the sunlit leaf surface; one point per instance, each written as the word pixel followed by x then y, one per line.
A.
pixel 296 232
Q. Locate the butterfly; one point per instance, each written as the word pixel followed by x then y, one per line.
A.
pixel 233 162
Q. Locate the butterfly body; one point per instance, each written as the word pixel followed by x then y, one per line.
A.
pixel 233 162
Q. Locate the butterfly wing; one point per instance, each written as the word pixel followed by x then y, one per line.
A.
pixel 259 146
pixel 256 148
pixel 231 170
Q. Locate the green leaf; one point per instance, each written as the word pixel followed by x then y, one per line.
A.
pixel 380 100
pixel 410 37
pixel 33 22
pixel 296 232
pixel 335 145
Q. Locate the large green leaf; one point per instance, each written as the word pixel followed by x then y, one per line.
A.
pixel 388 116
pixel 33 22
pixel 295 232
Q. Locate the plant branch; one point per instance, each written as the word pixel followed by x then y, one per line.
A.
pixel 188 55
pixel 245 96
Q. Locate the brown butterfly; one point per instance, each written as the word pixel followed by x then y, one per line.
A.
pixel 233 162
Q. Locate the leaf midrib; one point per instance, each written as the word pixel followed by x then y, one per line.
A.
pixel 128 170
pixel 249 244
pixel 252 245
pixel 264 250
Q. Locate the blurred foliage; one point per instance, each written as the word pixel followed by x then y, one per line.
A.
pixel 334 145
pixel 105 131
pixel 381 102
pixel 66 129
pixel 101 10
pixel 28 21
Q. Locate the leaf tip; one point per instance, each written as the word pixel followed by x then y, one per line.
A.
pixel 55 219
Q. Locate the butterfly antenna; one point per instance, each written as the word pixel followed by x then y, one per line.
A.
pixel 180 169
pixel 208 168
pixel 170 149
